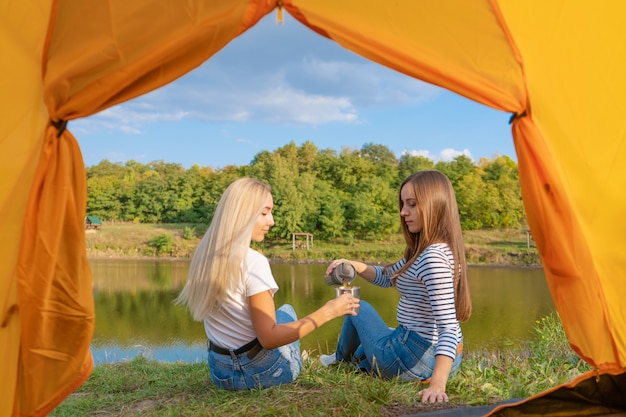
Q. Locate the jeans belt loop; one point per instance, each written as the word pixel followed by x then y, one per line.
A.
pixel 406 333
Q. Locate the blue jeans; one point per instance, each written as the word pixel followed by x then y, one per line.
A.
pixel 268 368
pixel 375 348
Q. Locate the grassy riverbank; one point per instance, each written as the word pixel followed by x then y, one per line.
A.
pixel 142 387
pixel 128 240
pixel 145 387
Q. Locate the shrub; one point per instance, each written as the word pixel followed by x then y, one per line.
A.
pixel 162 243
pixel 189 232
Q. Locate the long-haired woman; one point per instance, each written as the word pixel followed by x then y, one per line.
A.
pixel 231 289
pixel 432 281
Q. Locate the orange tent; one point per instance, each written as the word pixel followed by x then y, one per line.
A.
pixel 557 66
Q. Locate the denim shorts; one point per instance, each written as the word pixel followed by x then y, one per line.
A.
pixel 266 369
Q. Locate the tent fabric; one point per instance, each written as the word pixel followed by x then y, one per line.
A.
pixel 427 42
pixel 575 87
pixel 24 118
pixel 556 66
pixel 590 394
pixel 89 64
pixel 123 50
pixel 58 323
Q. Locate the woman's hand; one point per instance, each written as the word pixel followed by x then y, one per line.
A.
pixel 272 335
pixel 436 392
pixel 343 305
pixel 365 271
pixel 334 264
pixel 433 395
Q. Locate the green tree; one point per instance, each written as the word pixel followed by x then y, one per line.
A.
pixel 456 169
pixel 478 202
pixel 307 153
pixel 106 169
pixel 372 211
pixel 289 156
pixel 147 198
pixel 347 171
pixel 350 194
pixel 383 161
pixel 502 174
pixel 109 189
pixel 307 187
pixel 324 167
pixel 215 183
pixel 288 202
pixel 197 180
pixel 331 220
pixel 378 154
pixel 410 164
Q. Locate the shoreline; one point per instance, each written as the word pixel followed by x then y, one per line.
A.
pixel 502 248
pixel 282 261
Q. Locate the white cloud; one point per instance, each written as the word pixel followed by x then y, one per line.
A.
pixel 127 118
pixel 317 93
pixel 366 83
pixel 445 155
pixel 272 85
pixel 130 129
pixel 291 106
pixel 305 80
pixel 448 154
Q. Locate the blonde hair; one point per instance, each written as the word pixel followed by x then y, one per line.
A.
pixel 437 205
pixel 219 260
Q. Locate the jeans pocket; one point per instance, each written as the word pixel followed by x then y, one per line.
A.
pixel 223 383
pixel 415 359
pixel 398 369
pixel 391 370
pixel 222 372
pixel 277 374
pixel 417 373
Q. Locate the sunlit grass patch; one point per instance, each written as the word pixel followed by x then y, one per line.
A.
pixel 141 387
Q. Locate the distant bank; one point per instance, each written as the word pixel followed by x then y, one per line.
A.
pixel 499 247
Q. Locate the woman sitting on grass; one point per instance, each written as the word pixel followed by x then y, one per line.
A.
pixel 434 295
pixel 231 288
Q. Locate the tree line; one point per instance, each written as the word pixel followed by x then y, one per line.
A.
pixel 347 194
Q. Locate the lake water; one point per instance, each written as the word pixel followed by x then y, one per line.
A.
pixel 135 314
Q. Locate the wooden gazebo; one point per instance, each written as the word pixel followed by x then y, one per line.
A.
pixel 301 243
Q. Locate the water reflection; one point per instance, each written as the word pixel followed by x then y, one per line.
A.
pixel 135 314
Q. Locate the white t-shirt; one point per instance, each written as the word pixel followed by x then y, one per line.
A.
pixel 231 327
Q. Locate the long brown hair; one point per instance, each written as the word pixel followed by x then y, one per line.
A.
pixel 436 204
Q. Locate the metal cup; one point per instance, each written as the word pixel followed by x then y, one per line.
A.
pixel 355 291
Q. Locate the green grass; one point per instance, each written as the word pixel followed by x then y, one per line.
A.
pixel 132 240
pixel 140 387
pixel 483 247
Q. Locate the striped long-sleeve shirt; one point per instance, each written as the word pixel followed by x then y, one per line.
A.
pixel 426 303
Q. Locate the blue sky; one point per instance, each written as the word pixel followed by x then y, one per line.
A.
pixel 281 83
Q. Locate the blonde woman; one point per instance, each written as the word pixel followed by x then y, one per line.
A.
pixel 231 288
pixel 434 295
